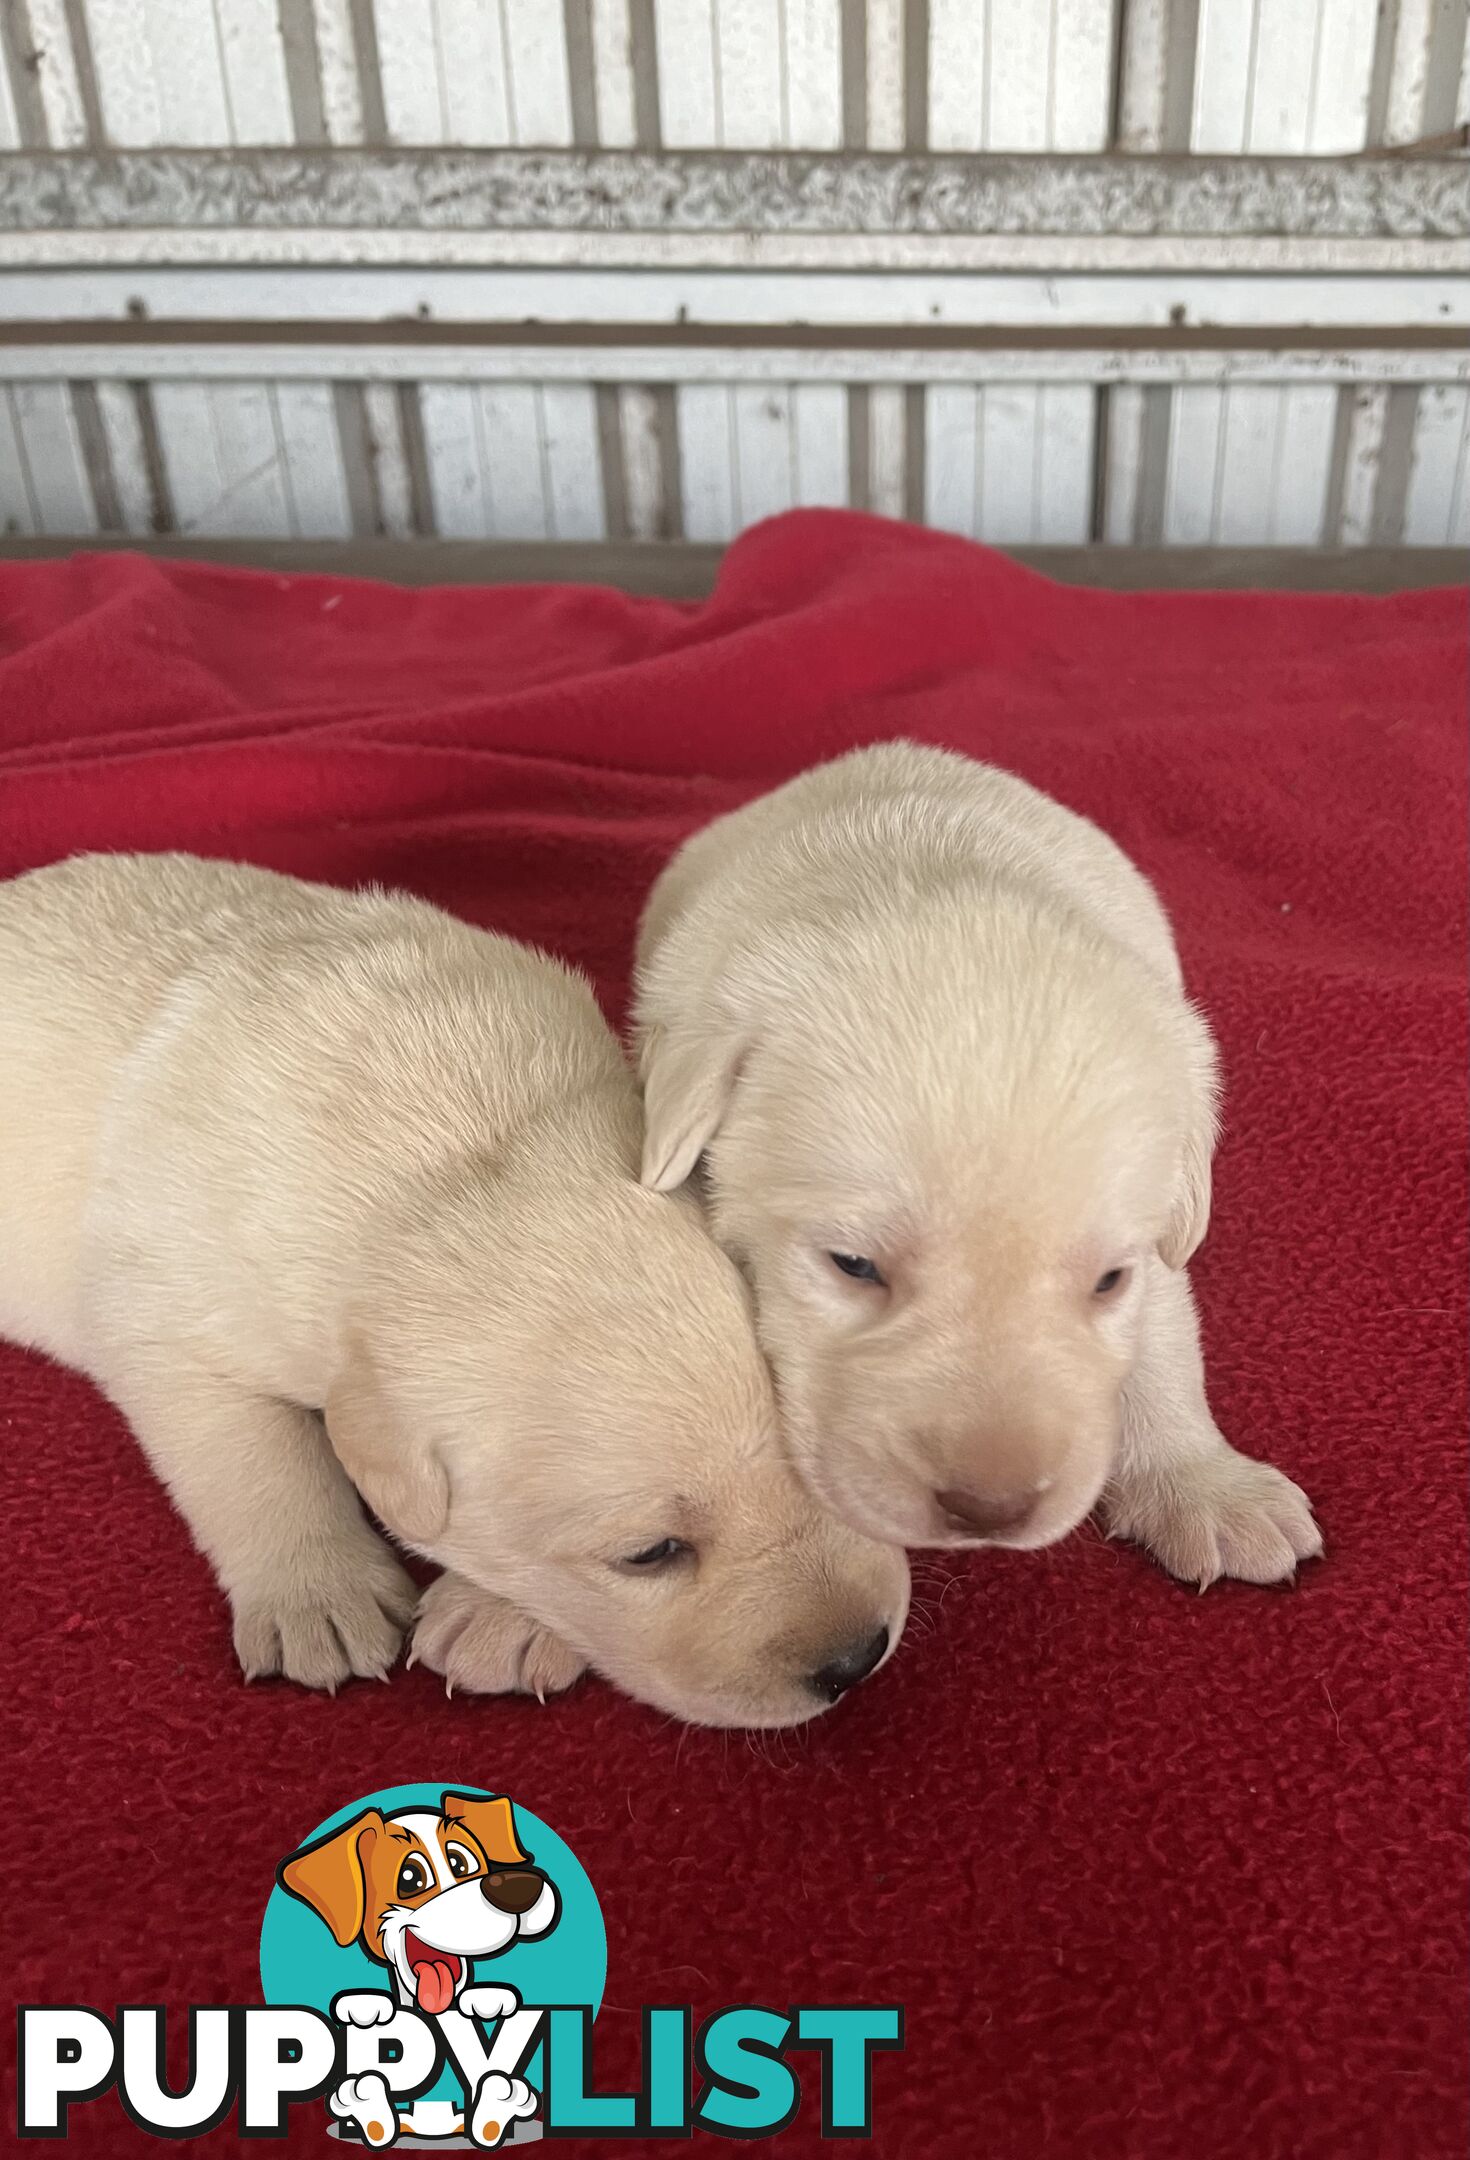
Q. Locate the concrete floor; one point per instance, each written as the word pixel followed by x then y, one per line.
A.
pixel 682 571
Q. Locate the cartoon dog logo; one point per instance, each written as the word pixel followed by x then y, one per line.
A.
pixel 425 1893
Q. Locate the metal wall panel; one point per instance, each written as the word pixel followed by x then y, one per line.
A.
pixel 338 440
pixel 1304 75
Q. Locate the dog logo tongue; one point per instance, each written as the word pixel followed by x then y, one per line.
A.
pixel 434 1980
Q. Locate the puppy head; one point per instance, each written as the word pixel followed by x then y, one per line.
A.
pixel 426 1893
pixel 563 1399
pixel 948 1147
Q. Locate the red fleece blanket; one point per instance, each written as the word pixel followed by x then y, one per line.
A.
pixel 1152 1874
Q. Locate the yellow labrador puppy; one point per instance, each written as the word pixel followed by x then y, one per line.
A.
pixel 929 1029
pixel 269 1151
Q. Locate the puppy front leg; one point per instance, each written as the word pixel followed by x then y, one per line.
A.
pixel 316 1594
pixel 1202 1509
pixel 486 1646
pixel 367 2102
pixel 500 2103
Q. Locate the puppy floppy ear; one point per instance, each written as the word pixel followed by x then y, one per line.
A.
pixel 491 1823
pixel 1189 1217
pixel 687 1084
pixel 398 1473
pixel 331 1877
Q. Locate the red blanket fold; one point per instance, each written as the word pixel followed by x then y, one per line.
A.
pixel 1152 1874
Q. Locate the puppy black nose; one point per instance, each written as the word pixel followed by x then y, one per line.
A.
pixel 853 1664
pixel 512 1890
pixel 982 1515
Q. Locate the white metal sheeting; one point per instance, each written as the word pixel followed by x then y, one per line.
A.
pixel 1274 443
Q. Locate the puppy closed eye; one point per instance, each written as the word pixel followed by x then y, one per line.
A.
pixel 1108 1285
pixel 656 1559
pixel 858 1268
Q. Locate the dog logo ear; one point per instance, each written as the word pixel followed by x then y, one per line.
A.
pixel 491 1823
pixel 330 1876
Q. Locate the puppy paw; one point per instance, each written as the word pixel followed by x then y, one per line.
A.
pixel 489 2003
pixel 327 1620
pixel 1224 1514
pixel 364 2010
pixel 500 2101
pixel 366 2101
pixel 484 1645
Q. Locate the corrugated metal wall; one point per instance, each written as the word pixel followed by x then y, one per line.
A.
pixel 657 344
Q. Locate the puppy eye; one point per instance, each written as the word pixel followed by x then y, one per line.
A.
pixel 413 1876
pixel 857 1267
pixel 1107 1284
pixel 460 1863
pixel 659 1556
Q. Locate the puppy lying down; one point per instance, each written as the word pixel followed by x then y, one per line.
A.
pixel 929 1029
pixel 331 1191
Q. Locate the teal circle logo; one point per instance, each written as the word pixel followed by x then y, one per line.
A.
pixel 324 1937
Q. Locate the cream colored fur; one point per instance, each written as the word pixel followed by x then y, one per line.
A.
pixel 910 1010
pixel 279 1163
